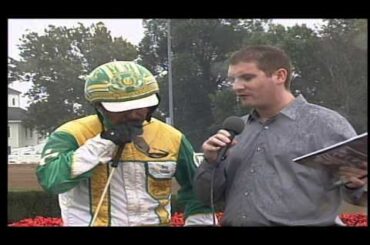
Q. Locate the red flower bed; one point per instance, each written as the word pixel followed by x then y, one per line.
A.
pixel 354 219
pixel 177 220
pixel 38 221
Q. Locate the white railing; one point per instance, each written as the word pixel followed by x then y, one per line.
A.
pixel 29 154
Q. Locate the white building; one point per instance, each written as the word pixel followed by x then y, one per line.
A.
pixel 18 134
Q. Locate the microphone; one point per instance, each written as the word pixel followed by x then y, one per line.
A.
pixel 234 125
pixel 117 156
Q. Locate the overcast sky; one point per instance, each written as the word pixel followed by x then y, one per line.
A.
pixel 130 29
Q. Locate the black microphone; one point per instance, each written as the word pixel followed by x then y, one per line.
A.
pixel 117 156
pixel 234 125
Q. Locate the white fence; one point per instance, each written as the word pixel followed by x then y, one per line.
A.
pixel 32 154
pixel 29 154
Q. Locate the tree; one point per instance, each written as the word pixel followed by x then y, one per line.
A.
pixel 329 66
pixel 197 46
pixel 56 63
pixel 342 56
pixel 153 56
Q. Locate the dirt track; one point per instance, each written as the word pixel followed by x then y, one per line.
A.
pixel 22 177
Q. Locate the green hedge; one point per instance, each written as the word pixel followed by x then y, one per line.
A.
pixel 175 206
pixel 29 204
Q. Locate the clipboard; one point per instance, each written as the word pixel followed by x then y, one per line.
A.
pixel 351 152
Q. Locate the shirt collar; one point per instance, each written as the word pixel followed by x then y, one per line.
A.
pixel 291 110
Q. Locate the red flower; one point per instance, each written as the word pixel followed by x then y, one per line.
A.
pixel 177 220
pixel 355 219
pixel 38 221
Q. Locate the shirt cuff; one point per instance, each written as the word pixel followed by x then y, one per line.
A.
pixel 200 220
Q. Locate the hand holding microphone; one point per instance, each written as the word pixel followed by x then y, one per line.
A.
pixel 123 133
pixel 216 146
pixel 120 135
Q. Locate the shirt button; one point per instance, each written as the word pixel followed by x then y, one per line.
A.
pixel 259 149
pixel 266 127
pixel 252 170
pixel 244 216
pixel 246 193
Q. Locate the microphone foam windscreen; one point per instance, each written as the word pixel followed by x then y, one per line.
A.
pixel 234 124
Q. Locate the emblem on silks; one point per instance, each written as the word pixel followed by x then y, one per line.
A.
pixel 198 158
pixel 125 80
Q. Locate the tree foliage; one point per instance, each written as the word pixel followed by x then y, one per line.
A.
pixel 329 66
pixel 342 57
pixel 56 63
pixel 198 46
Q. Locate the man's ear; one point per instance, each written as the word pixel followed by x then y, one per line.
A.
pixel 281 75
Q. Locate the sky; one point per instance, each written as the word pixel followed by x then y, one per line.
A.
pixel 130 29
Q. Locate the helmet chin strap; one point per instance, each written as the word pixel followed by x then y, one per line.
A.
pixel 152 109
pixel 150 113
pixel 105 122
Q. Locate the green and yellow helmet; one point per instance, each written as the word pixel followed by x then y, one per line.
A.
pixel 121 86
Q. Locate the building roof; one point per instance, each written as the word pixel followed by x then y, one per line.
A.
pixel 13 91
pixel 16 113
